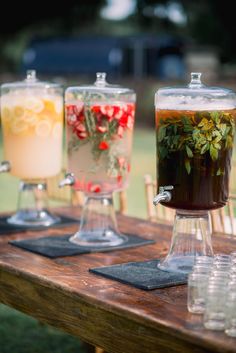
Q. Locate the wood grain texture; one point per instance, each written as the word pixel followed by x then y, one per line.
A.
pixel 116 317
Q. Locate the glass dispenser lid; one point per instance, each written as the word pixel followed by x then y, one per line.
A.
pixel 195 96
pixel 100 90
pixel 30 82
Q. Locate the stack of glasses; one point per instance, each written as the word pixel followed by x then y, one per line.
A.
pixel 212 292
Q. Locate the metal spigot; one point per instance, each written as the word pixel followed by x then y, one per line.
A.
pixel 164 194
pixel 5 167
pixel 68 180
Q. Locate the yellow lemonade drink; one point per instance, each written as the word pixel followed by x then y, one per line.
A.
pixel 32 127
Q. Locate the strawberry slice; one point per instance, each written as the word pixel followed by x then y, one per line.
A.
pixel 80 127
pixel 118 115
pixel 96 108
pixel 120 131
pixel 130 109
pixel 102 129
pixel 130 122
pixel 78 109
pixel 121 161
pixel 119 179
pixel 123 120
pixel 70 109
pixel 103 109
pixel 71 119
pixel 95 188
pixel 110 111
pixel 103 145
pixel 82 135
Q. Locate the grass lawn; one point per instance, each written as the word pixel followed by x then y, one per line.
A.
pixel 22 334
pixel 143 161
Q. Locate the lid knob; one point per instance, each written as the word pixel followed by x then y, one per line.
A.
pixel 101 79
pixel 195 80
pixel 30 75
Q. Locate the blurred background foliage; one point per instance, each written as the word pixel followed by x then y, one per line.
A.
pixel 202 22
pixel 139 43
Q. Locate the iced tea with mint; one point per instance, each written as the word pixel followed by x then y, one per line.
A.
pixel 194 150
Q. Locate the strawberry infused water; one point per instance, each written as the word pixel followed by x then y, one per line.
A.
pixel 99 145
pixel 99 124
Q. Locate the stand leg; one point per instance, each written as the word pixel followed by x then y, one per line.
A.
pixel 191 237
pixel 32 208
pixel 98 225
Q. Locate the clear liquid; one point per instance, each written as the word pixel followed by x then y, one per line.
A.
pixel 99 148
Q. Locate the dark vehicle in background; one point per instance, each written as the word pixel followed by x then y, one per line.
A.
pixel 137 56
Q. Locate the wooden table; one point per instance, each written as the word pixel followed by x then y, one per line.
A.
pixel 106 313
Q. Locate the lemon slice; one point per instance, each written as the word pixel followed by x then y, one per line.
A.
pixel 57 131
pixel 31 118
pixel 18 126
pixel 34 104
pixel 43 128
pixel 18 111
pixel 6 114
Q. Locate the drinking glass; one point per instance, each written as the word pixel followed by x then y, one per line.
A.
pixel 230 328
pixel 214 314
pixel 197 286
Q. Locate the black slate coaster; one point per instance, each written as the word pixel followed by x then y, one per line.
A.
pixel 7 228
pixel 144 275
pixel 61 246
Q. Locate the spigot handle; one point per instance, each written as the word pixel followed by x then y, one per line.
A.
pixel 5 167
pixel 164 194
pixel 166 188
pixel 68 180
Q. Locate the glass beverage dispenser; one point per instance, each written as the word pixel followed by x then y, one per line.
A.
pixel 100 120
pixel 32 124
pixel 195 128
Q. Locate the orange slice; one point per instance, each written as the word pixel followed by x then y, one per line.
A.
pixel 18 111
pixel 49 105
pixel 18 126
pixel 31 118
pixel 6 114
pixel 34 104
